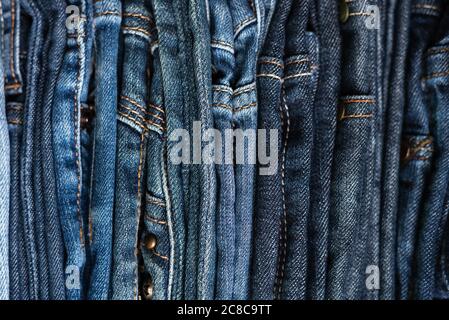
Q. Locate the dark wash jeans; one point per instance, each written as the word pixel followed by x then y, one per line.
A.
pixel 417 145
pixel 353 221
pixel 431 271
pixel 287 82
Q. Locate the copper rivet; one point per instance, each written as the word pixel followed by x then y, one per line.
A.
pixel 150 241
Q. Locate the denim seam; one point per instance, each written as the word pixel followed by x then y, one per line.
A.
pixel 108 13
pixel 269 75
pixel 156 201
pixel 2 21
pixel 157 254
pixel 153 219
pixel 249 88
pixel 145 32
pixel 138 15
pixel 285 123
pixel 139 115
pixel 167 191
pixel 427 6
pixel 131 119
pixel 138 212
pixel 222 43
pixel 434 51
pixel 436 75
pixel 244 24
pixel 16 122
pixel 11 42
pixel 273 62
pixel 158 108
pixel 297 61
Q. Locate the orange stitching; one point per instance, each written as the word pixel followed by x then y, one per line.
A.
pixel 301 61
pixel 137 114
pixel 139 124
pixel 162 222
pixel 358 101
pixel 436 75
pixel 137 15
pixel 223 105
pixel 431 52
pixel 137 29
pixel 13 86
pixel 246 106
pixel 17 122
pixel 133 120
pixel 141 107
pixel 412 151
pixel 353 116
pixel 160 255
pixel 272 62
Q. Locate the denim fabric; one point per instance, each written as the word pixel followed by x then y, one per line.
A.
pixel 133 124
pixel 69 95
pixel 300 84
pixel 417 146
pixel 4 184
pixel 173 98
pixel 107 19
pixel 18 269
pixel 186 64
pixel 269 218
pixel 12 33
pixel 325 115
pixel 244 103
pixel 32 219
pixel 52 255
pixel 199 183
pixel 352 218
pixel 397 41
pixel 157 256
pixel 223 65
pixel 435 210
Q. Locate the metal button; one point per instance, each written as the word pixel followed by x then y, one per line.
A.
pixel 344 11
pixel 147 290
pixel 150 241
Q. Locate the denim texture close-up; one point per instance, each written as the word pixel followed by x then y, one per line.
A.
pixel 224 150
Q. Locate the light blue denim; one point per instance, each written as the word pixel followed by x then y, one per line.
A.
pixel 107 19
pixel 4 186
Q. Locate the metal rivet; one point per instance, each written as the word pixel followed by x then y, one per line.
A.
pixel 344 11
pixel 150 241
pixel 147 290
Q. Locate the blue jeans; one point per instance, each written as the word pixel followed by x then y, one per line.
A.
pixel 107 19
pixel 68 98
pixel 417 147
pixel 132 136
pixel 435 211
